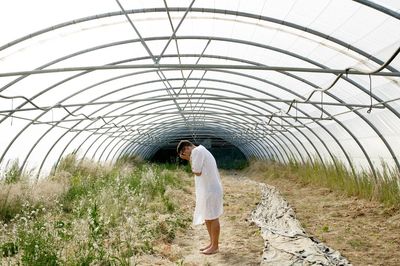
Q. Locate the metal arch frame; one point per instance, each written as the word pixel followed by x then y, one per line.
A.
pixel 217 133
pixel 149 150
pixel 156 60
pixel 220 116
pixel 177 122
pixel 224 106
pixel 88 125
pixel 370 163
pixel 81 143
pixel 244 149
pixel 328 132
pixel 379 8
pixel 305 149
pixel 377 131
pixel 212 123
pixel 163 67
pixel 147 133
pixel 172 121
pixel 271 133
pixel 192 97
pixel 205 10
pixel 264 92
pixel 233 130
pixel 249 143
pixel 149 107
pixel 121 121
pixel 233 141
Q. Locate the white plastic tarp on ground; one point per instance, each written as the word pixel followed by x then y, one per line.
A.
pixel 286 243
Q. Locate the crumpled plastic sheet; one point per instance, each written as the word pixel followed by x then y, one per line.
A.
pixel 286 243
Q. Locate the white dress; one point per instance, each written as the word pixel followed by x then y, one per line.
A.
pixel 208 186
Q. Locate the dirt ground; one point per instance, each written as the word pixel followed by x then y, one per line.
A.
pixel 365 232
pixel 240 240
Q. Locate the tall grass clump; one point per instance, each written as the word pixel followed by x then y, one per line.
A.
pixel 13 173
pixel 388 187
pixel 104 215
pixel 12 182
pixel 335 175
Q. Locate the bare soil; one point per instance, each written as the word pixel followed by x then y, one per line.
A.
pixel 240 240
pixel 365 232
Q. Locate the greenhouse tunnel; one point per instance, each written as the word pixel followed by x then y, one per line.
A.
pixel 227 156
pixel 304 81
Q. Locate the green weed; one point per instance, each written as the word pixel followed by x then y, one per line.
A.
pixel 106 215
pixel 13 173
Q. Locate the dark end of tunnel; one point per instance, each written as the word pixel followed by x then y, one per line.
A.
pixel 227 155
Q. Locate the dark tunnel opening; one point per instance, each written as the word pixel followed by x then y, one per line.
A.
pixel 227 155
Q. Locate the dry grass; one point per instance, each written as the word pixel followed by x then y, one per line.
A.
pixel 14 195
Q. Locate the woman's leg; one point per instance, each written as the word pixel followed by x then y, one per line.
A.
pixel 208 225
pixel 214 230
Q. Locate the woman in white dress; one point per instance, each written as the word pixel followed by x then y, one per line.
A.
pixel 209 192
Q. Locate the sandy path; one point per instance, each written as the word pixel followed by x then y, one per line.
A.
pixel 240 240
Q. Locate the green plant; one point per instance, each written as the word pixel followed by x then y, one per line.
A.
pixel 96 229
pixel 8 209
pixel 180 262
pixel 106 215
pixel 13 173
pixel 9 249
pixel 37 246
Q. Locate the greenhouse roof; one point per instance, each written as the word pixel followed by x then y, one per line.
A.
pixel 282 80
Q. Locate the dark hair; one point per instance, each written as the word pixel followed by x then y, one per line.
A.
pixel 182 144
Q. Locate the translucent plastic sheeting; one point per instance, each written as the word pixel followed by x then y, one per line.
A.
pixel 135 107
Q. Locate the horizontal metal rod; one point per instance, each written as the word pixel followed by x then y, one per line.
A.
pixel 174 123
pixel 189 136
pixel 183 112
pixel 205 136
pixel 201 124
pixel 197 67
pixel 173 142
pixel 196 130
pixel 202 131
pixel 190 98
pixel 216 133
pixel 234 134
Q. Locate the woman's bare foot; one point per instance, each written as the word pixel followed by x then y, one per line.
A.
pixel 210 250
pixel 207 247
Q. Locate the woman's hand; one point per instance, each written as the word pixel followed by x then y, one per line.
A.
pixel 184 156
